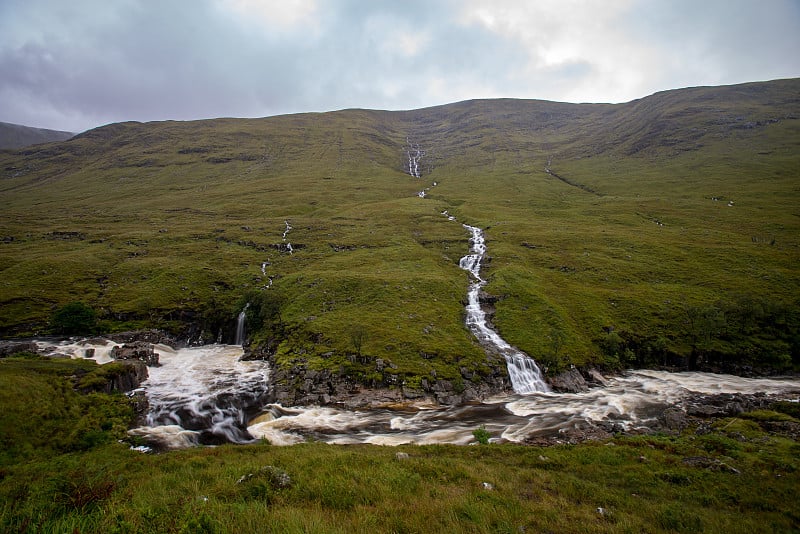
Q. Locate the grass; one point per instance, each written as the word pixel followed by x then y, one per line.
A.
pixel 640 485
pixel 66 466
pixel 168 224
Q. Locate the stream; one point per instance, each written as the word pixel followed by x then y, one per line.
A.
pixel 207 395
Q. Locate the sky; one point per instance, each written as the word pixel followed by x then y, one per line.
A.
pixel 78 64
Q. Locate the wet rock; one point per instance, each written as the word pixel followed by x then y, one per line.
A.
pixel 140 403
pixel 127 377
pixel 674 418
pixel 138 350
pixel 569 381
pixel 9 348
pixel 594 377
pixel 148 336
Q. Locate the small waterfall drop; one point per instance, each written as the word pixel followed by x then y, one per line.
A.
pixel 240 325
pixel 522 369
pixel 203 395
pixel 414 154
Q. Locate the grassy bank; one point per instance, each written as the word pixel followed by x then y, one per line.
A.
pixel 641 485
pixel 731 477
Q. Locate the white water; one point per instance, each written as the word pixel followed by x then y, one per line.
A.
pixel 98 350
pixel 240 326
pixel 203 395
pixel 631 401
pixel 285 233
pixel 522 369
pixel 414 154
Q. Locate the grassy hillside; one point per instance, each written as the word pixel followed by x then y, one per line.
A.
pixel 664 230
pixel 62 470
pixel 18 136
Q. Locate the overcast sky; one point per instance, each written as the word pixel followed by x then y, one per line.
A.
pixel 76 64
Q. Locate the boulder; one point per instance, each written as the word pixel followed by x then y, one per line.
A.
pixel 569 381
pixel 138 350
pixel 594 377
pixel 9 348
pixel 674 418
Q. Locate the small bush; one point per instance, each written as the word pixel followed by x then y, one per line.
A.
pixel 482 435
pixel 74 318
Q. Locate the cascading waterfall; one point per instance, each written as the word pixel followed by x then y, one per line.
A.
pixel 525 375
pixel 522 369
pixel 285 233
pixel 240 325
pixel 414 154
pixel 203 395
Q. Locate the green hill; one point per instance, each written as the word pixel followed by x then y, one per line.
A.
pixel 660 231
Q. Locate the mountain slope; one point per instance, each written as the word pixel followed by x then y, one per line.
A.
pixel 664 230
pixel 17 136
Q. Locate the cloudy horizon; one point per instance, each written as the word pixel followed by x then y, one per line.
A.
pixel 81 64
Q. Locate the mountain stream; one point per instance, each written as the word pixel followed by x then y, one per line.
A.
pixel 207 395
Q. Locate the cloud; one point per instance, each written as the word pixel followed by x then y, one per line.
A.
pixel 75 65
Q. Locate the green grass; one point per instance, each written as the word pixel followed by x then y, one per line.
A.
pixel 173 220
pixel 438 489
pixel 63 470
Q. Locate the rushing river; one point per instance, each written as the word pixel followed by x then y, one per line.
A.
pixel 207 395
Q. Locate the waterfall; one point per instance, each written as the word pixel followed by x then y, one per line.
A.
pixel 203 395
pixel 240 323
pixel 414 154
pixel 522 369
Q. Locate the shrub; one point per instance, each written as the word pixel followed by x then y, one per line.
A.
pixel 74 318
pixel 482 435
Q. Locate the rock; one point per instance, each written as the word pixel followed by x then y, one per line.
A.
pixel 141 406
pixel 594 377
pixel 9 348
pixel 569 381
pixel 127 378
pixel 274 476
pixel 138 350
pixel 674 418
pixel 149 336
pixel 712 464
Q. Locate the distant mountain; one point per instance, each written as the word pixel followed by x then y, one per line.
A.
pixel 18 136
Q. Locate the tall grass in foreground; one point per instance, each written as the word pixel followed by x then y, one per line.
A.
pixel 625 485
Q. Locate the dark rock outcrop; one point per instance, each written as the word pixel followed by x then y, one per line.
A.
pixel 146 336
pixel 138 350
pixel 131 378
pixel 9 348
pixel 569 381
pixel 299 385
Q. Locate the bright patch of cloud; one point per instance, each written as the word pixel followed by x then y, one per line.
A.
pixel 281 15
